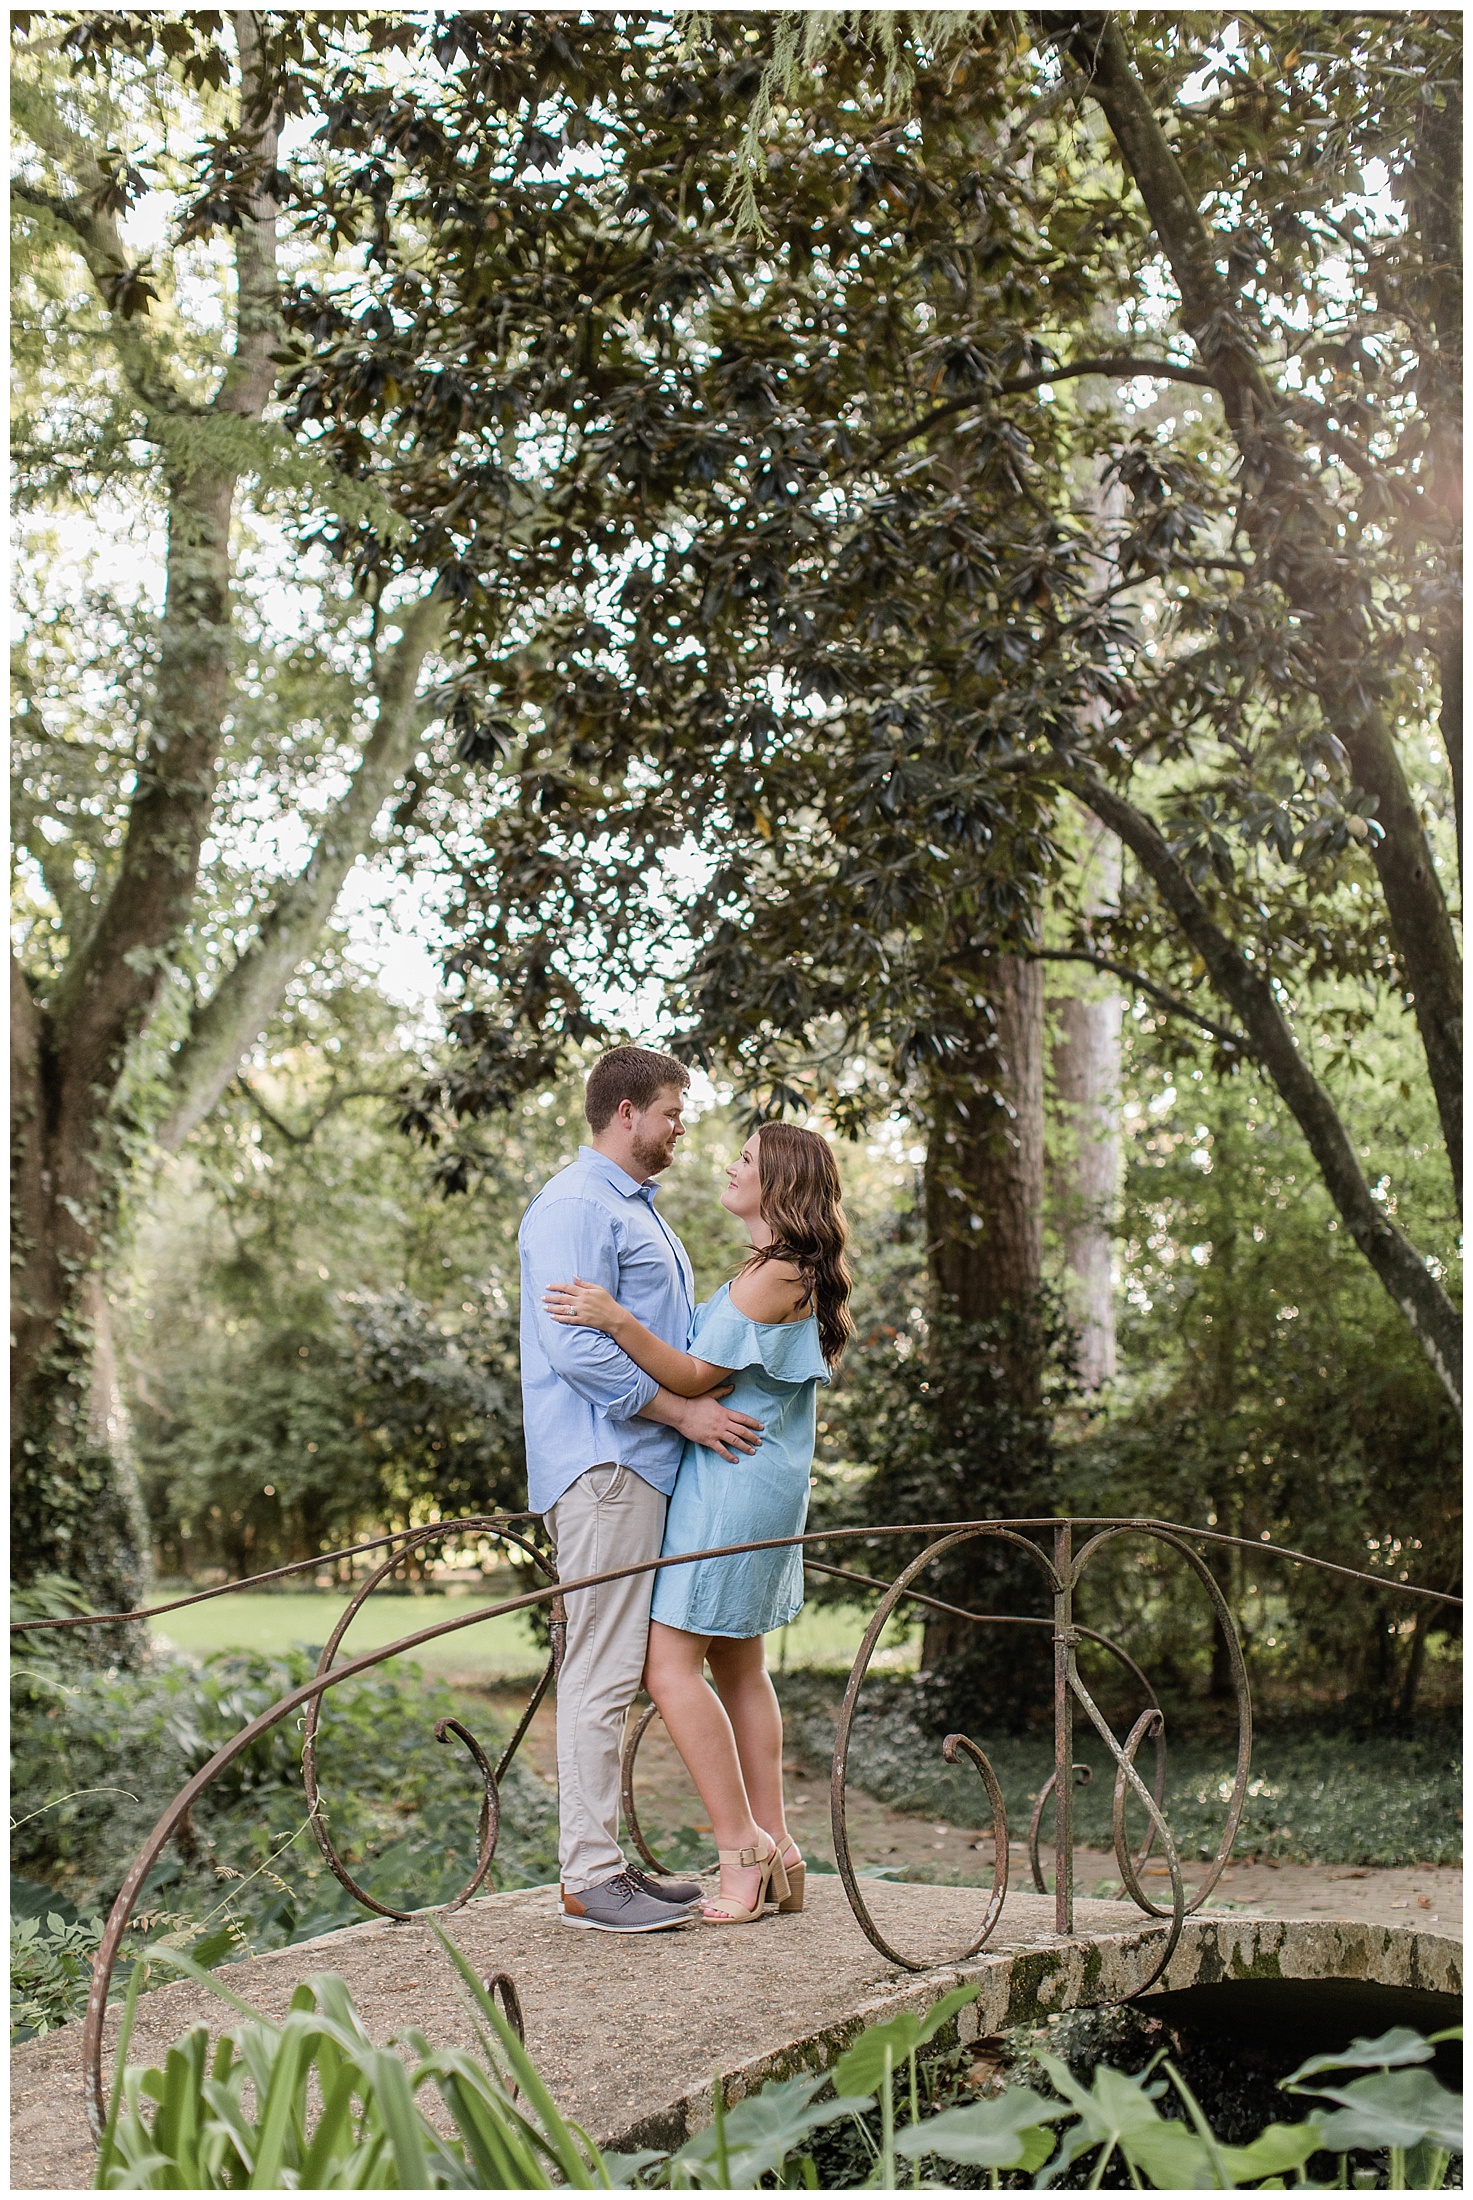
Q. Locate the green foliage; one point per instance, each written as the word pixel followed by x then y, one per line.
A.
pixel 878 628
pixel 1266 1387
pixel 1400 2107
pixel 871 2064
pixel 758 2137
pixel 369 2129
pixel 1009 2131
pixel 96 1759
pixel 50 1970
pixel 1120 2114
pixel 1269 1389
pixel 1312 1798
pixel 506 2131
pixel 51 1952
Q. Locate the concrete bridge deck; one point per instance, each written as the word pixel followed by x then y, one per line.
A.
pixel 629 2033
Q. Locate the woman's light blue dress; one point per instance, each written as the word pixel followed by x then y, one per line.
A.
pixel 776 1368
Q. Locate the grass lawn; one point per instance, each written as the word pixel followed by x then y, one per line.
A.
pixel 823 1637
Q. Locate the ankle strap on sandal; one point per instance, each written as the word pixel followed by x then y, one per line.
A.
pixel 744 1859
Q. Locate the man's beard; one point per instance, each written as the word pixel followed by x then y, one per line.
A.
pixel 653 1154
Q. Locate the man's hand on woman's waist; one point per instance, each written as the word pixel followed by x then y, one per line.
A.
pixel 706 1421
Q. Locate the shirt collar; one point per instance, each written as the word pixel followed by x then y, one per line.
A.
pixel 620 1179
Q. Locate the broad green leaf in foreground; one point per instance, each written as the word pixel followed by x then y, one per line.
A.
pixel 1399 2046
pixel 863 2068
pixel 761 2132
pixel 1393 2108
pixel 1177 2158
pixel 1010 2131
pixel 1115 2108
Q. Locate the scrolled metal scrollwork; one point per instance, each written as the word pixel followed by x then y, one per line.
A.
pixel 502 1987
pixel 1174 1541
pixel 1083 1774
pixel 1063 1573
pixel 1149 1723
pixel 953 1745
pixel 838 1784
pixel 489 1826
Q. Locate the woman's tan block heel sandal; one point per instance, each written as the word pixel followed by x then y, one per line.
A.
pixel 773 1884
pixel 796 1873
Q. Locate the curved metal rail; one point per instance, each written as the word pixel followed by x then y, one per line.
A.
pixel 1062 1568
pixel 490 1821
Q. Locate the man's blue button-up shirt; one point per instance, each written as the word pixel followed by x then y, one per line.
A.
pixel 580 1392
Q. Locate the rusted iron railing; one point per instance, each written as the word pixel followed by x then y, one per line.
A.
pixel 1048 1542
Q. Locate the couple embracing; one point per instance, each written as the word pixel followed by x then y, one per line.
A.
pixel 654 1427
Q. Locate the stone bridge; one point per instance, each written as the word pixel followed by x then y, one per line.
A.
pixel 631 2033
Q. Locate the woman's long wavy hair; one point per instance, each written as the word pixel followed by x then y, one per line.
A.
pixel 801 1205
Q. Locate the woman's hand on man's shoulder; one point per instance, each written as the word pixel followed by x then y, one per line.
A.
pixel 771 1292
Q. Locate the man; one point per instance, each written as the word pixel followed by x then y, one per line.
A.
pixel 603 1450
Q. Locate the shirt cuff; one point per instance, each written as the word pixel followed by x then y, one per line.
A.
pixel 634 1400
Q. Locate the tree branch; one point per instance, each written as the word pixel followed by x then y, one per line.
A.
pixel 1164 370
pixel 1234 1042
pixel 249 994
pixel 106 262
pixel 1306 561
pixel 251 374
pixel 334 1101
pixel 1402 1271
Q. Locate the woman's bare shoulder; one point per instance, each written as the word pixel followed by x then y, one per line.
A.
pixel 772 1292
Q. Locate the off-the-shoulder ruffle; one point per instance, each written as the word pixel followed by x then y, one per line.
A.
pixel 788 1351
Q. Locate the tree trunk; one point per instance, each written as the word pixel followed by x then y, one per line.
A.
pixel 71 1513
pixel 984 1161
pixel 1222 1286
pixel 1404 1274
pixel 983 1199
pixel 1416 1660
pixel 1436 197
pixel 1086 1189
pixel 1306 562
pixel 1086 1066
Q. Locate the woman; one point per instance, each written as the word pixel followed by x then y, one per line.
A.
pixel 775 1332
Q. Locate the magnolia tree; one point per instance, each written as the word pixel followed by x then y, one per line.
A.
pixel 1061 444
pixel 1077 433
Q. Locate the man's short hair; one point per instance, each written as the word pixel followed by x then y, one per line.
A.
pixel 635 1074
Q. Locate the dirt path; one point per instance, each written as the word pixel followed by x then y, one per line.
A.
pixel 1418 1894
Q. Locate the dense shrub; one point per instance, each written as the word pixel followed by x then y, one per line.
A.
pixel 97 1754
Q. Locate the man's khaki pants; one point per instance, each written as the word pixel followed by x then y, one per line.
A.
pixel 609 1517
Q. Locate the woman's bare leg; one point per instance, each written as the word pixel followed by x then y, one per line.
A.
pixel 698 1725
pixel 739 1669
